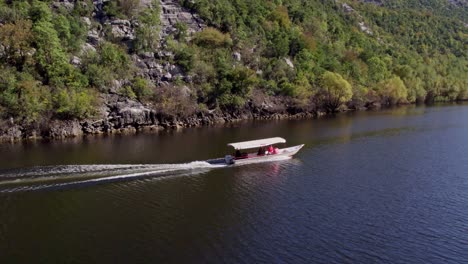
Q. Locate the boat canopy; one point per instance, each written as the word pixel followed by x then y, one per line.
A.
pixel 257 143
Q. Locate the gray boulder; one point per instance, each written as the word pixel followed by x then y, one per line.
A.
pixel 65 129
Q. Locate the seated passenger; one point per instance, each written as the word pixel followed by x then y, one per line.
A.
pixel 270 150
pixel 261 151
pixel 276 151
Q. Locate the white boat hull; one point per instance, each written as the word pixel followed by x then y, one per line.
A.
pixel 254 158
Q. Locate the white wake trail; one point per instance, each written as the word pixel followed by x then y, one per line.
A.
pixel 37 178
pixel 74 174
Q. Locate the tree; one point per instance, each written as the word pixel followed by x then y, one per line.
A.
pixel 377 69
pixel 334 91
pixel 393 91
pixel 212 38
pixel 141 88
pixel 122 8
pixel 243 79
pixel 129 7
pixel 416 92
pixel 147 33
pixel 40 11
pixel 51 59
pixel 16 38
pixel 74 104
pixel 33 99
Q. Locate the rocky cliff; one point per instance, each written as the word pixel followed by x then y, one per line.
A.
pixel 121 114
pixel 120 66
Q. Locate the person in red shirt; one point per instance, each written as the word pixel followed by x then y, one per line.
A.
pixel 271 150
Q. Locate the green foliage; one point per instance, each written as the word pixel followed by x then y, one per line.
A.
pixel 421 43
pixel 16 39
pixel 416 52
pixel 40 11
pixel 303 88
pixel 181 33
pixel 184 55
pixel 393 90
pixel 141 88
pixel 74 104
pixel 122 8
pixel 334 90
pixel 83 8
pixel 212 38
pixel 109 63
pixel 111 9
pixel 50 57
pixel 114 57
pixel 71 31
pixel 22 96
pixel 62 26
pixel 377 69
pixel 8 91
pixel 231 101
pixel 33 99
pixel 127 91
pixel 99 77
pixel 147 33
pixel 416 92
pixel 147 38
pixel 52 60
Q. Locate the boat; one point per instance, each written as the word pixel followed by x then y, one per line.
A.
pixel 266 151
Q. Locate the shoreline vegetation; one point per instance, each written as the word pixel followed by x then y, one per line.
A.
pixel 76 129
pixel 72 68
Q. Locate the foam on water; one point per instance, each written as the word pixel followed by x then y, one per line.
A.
pixel 47 177
pixel 60 176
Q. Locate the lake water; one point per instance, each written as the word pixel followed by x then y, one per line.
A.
pixel 388 186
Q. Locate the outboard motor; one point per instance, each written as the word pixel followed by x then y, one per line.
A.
pixel 229 160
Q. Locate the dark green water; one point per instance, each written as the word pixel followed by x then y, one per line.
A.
pixel 369 187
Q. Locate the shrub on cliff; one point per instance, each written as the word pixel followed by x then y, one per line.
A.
pixel 147 33
pixel 334 91
pixel 70 104
pixel 52 60
pixel 393 91
pixel 122 8
pixel 184 56
pixel 142 88
pixel 174 102
pixel 22 96
pixel 16 38
pixel 114 58
pixel 416 92
pixel 212 38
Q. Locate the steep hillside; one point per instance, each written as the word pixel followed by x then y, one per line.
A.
pixel 108 65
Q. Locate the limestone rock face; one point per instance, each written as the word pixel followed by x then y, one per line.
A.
pixel 289 62
pixel 173 13
pixel 123 29
pixel 12 133
pixel 237 56
pixel 67 4
pixel 124 112
pixel 65 129
pixel 93 37
pixel 75 61
pixel 131 112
